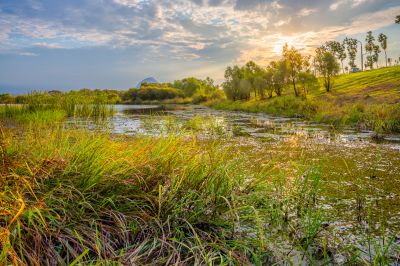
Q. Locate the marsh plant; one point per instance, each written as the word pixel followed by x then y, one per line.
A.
pixel 74 196
pixel 45 108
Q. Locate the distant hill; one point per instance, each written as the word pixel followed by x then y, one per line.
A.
pixel 150 80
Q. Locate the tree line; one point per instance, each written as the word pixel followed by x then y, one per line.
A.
pixel 303 73
pixel 196 89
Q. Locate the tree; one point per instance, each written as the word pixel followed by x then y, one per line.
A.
pixel 294 63
pixel 263 83
pixel 308 82
pixel 397 19
pixel 382 39
pixel 338 50
pixel 377 51
pixel 351 50
pixel 236 87
pixel 251 72
pixel 279 74
pixel 371 49
pixel 327 66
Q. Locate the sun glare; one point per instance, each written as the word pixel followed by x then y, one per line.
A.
pixel 291 41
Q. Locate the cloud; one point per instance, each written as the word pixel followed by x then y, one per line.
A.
pixel 162 31
pixel 282 22
pixel 353 3
pixel 305 12
pixel 261 50
pixel 48 45
pixel 27 54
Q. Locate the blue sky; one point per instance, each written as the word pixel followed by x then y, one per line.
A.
pixel 71 44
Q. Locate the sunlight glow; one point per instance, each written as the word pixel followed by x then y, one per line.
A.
pixel 290 40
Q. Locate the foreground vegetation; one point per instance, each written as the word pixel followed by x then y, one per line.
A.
pixel 73 197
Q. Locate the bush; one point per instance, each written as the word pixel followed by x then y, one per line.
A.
pixel 150 93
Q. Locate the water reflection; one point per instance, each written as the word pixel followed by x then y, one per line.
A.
pixel 156 119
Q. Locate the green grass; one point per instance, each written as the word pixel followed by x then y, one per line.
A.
pixel 367 100
pixel 74 195
pixel 43 108
pixel 79 197
pixel 356 82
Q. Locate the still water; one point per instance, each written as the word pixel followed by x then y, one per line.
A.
pixel 360 173
pixel 154 120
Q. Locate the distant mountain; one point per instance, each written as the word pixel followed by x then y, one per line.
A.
pixel 150 80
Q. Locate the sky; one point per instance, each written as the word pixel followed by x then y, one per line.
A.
pixel 73 44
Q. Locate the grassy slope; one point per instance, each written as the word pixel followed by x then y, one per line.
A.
pixel 368 100
pixel 376 86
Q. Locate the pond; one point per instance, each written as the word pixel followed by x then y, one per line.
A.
pixel 360 174
pixel 154 120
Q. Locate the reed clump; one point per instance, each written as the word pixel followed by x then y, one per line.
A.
pixel 73 196
pixel 47 108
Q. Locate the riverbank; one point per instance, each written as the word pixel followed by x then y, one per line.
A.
pixel 382 118
pixel 367 100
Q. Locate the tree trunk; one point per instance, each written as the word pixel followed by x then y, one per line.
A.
pixel 294 87
pixel 328 84
pixel 385 58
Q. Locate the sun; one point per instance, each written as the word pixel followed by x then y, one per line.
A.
pixel 291 41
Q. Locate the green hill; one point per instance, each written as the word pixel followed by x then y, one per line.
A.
pixel 380 85
pixel 366 100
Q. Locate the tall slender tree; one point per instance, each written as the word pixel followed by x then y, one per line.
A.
pixel 351 45
pixel 377 51
pixel 370 47
pixel 382 39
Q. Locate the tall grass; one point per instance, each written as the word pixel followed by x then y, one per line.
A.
pixel 45 108
pixel 382 118
pixel 78 197
pixel 71 196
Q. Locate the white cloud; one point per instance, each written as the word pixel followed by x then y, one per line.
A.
pixel 27 54
pixel 48 45
pixel 305 12
pixel 282 22
pixel 352 3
